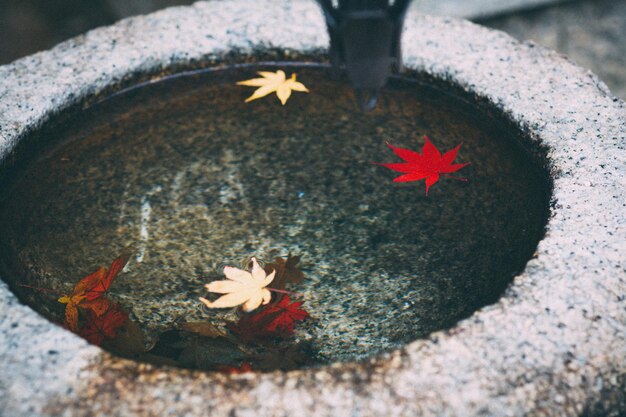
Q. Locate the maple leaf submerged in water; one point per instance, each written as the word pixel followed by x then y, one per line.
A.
pixel 283 315
pixel 273 82
pixel 236 370
pixel 272 320
pixel 287 271
pixel 89 292
pixel 428 165
pixel 104 327
pixel 241 287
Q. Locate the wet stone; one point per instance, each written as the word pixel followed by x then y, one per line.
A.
pixel 194 179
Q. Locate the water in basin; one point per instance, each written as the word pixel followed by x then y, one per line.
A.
pixel 194 179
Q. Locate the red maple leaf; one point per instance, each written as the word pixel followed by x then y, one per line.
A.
pixel 429 165
pixel 271 320
pixel 284 314
pixel 98 328
pixel 280 317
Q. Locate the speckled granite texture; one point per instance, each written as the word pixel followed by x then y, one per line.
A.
pixel 564 28
pixel 554 345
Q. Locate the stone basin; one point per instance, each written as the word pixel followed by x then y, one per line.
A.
pixel 551 341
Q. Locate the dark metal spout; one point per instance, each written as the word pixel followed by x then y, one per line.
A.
pixel 365 40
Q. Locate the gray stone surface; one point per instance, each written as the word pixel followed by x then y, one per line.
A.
pixel 592 34
pixel 554 344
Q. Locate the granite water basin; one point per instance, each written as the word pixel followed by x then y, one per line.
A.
pixel 551 344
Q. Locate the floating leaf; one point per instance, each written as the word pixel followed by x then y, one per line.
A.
pixel 287 271
pixel 241 287
pixel 89 292
pixel 78 298
pixel 273 82
pixel 429 165
pixel 100 286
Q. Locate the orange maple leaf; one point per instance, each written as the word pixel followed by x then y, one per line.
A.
pixel 89 292
pixel 429 165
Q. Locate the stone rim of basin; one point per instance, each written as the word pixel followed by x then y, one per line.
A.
pixel 554 344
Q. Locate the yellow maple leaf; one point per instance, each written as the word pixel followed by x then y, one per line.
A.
pixel 241 287
pixel 274 82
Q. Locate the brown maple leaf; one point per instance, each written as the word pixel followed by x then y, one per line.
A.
pixel 287 271
pixel 429 165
